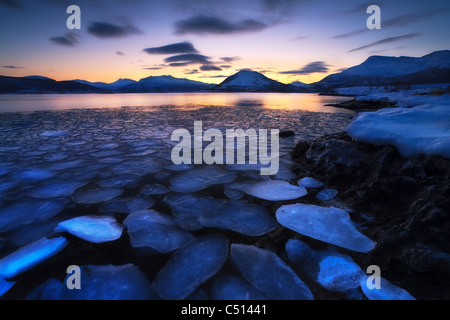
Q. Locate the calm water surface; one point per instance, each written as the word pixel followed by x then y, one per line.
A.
pixel 282 101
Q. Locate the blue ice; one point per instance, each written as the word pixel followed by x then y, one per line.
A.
pixel 191 266
pixel 30 255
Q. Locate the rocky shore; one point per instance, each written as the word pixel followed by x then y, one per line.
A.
pixel 401 203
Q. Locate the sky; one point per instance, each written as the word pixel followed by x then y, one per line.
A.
pixel 208 40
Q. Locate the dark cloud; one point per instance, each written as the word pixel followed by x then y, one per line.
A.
pixel 187 59
pixel 399 21
pixel 120 53
pixel 387 40
pixel 313 67
pixel 195 71
pixel 215 76
pixel 69 40
pixel 13 67
pixel 152 68
pixel 181 47
pixel 214 25
pixel 225 66
pixel 109 30
pixel 209 67
pixel 13 4
pixel 230 59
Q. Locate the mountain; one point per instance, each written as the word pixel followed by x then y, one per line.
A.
pixel 248 80
pixel 165 84
pixel 38 84
pixel 298 84
pixel 109 86
pixel 385 71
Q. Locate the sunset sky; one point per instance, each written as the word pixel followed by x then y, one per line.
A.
pixel 208 40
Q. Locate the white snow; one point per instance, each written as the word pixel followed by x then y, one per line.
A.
pixel 94 229
pixel 331 225
pixel 421 129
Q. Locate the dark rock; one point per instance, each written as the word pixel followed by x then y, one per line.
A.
pixel 408 198
pixel 287 134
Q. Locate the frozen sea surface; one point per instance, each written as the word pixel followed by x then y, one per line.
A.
pixel 90 171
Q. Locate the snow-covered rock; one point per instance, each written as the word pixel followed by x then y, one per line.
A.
pixel 422 129
pixel 309 182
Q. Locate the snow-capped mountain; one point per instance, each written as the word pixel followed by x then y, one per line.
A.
pixel 165 84
pixel 116 85
pixel 383 70
pixel 248 80
pixel 298 84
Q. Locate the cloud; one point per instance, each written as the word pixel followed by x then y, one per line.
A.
pixel 187 59
pixel 195 71
pixel 69 40
pixel 109 30
pixel 230 59
pixel 225 66
pixel 181 47
pixel 210 68
pixel 312 67
pixel 387 40
pixel 152 68
pixel 120 53
pixel 13 67
pixel 300 38
pixel 202 25
pixel 399 21
pixel 13 4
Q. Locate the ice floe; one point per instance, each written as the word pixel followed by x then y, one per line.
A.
pixel 155 230
pixel 327 194
pixel 309 182
pixel 30 255
pixel 231 287
pixel 386 291
pixel 94 229
pixel 54 189
pixel 5 286
pixel 100 282
pixel 190 266
pixel 193 212
pixel 333 271
pixel 273 190
pixel 267 272
pixel 154 189
pixel 127 205
pixel 199 179
pixel 331 225
pixel 96 195
pixel 28 211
